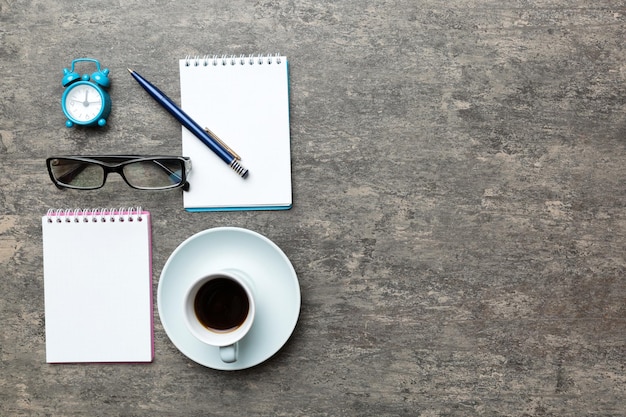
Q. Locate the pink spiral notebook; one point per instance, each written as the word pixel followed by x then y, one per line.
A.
pixel 98 285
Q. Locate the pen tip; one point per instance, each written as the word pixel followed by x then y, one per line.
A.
pixel 130 70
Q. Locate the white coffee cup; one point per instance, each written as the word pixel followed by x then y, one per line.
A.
pixel 220 309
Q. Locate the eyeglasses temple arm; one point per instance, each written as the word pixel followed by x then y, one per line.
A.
pixel 173 174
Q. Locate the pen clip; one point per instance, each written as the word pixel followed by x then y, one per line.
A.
pixel 228 149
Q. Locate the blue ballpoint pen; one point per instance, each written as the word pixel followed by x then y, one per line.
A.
pixel 212 142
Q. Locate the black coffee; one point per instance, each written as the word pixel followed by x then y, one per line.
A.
pixel 221 304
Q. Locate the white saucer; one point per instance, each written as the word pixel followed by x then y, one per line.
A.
pixel 276 288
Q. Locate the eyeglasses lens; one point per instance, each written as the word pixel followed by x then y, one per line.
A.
pixel 155 173
pixel 77 174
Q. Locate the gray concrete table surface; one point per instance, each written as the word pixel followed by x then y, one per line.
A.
pixel 458 226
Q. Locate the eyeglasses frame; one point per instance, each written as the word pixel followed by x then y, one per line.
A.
pixel 108 167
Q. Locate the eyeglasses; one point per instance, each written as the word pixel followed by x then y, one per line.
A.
pixel 140 172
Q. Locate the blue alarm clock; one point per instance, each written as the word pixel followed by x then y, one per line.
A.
pixel 85 102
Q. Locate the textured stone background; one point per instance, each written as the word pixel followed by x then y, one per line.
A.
pixel 458 226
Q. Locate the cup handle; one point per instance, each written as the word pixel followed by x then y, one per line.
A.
pixel 228 353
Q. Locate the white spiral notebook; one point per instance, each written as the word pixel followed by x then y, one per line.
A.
pixel 245 102
pixel 98 285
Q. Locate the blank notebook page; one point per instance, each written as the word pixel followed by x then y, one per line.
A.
pixel 97 286
pixel 246 104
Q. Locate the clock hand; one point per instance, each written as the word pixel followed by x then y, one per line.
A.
pixel 86 102
pixel 73 100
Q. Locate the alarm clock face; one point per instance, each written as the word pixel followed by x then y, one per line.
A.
pixel 83 102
